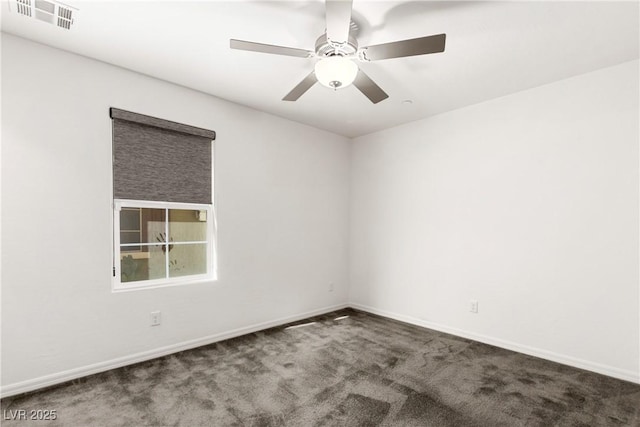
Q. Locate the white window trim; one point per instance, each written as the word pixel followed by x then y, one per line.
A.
pixel 211 275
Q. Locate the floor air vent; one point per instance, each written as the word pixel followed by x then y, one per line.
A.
pixel 51 12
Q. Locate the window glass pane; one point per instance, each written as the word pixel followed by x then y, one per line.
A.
pixel 129 237
pixel 148 264
pixel 188 259
pixel 130 219
pixel 187 225
pixel 152 225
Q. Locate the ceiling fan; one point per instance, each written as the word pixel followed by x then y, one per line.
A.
pixel 337 50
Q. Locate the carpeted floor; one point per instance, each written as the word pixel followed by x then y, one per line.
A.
pixel 349 368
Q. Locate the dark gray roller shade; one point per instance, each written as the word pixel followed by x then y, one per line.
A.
pixel 116 113
pixel 160 163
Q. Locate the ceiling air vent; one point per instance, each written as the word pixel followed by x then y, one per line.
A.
pixel 65 17
pixel 51 12
pixel 24 7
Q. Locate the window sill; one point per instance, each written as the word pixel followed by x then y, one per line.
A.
pixel 117 288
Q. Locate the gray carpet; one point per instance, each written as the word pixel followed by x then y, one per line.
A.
pixel 361 370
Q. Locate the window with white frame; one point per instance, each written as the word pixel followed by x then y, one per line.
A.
pixel 161 243
pixel 163 217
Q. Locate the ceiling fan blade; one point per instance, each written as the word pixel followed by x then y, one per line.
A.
pixel 301 87
pixel 338 15
pixel 269 48
pixel 411 47
pixel 369 88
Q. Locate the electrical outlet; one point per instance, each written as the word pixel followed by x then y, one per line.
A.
pixel 156 318
pixel 331 287
pixel 473 306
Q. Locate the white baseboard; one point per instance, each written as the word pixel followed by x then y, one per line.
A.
pixel 531 351
pixel 72 374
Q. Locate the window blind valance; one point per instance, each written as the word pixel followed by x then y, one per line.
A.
pixel 118 114
pixel 160 160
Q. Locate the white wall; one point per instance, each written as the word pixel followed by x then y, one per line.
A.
pixel 527 203
pixel 282 206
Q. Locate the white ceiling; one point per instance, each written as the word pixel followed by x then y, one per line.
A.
pixel 493 49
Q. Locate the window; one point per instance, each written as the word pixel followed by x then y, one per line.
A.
pixel 163 216
pixel 162 243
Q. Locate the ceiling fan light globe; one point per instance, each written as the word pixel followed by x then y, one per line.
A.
pixel 336 72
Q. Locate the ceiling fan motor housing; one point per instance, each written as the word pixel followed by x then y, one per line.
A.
pixel 324 48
